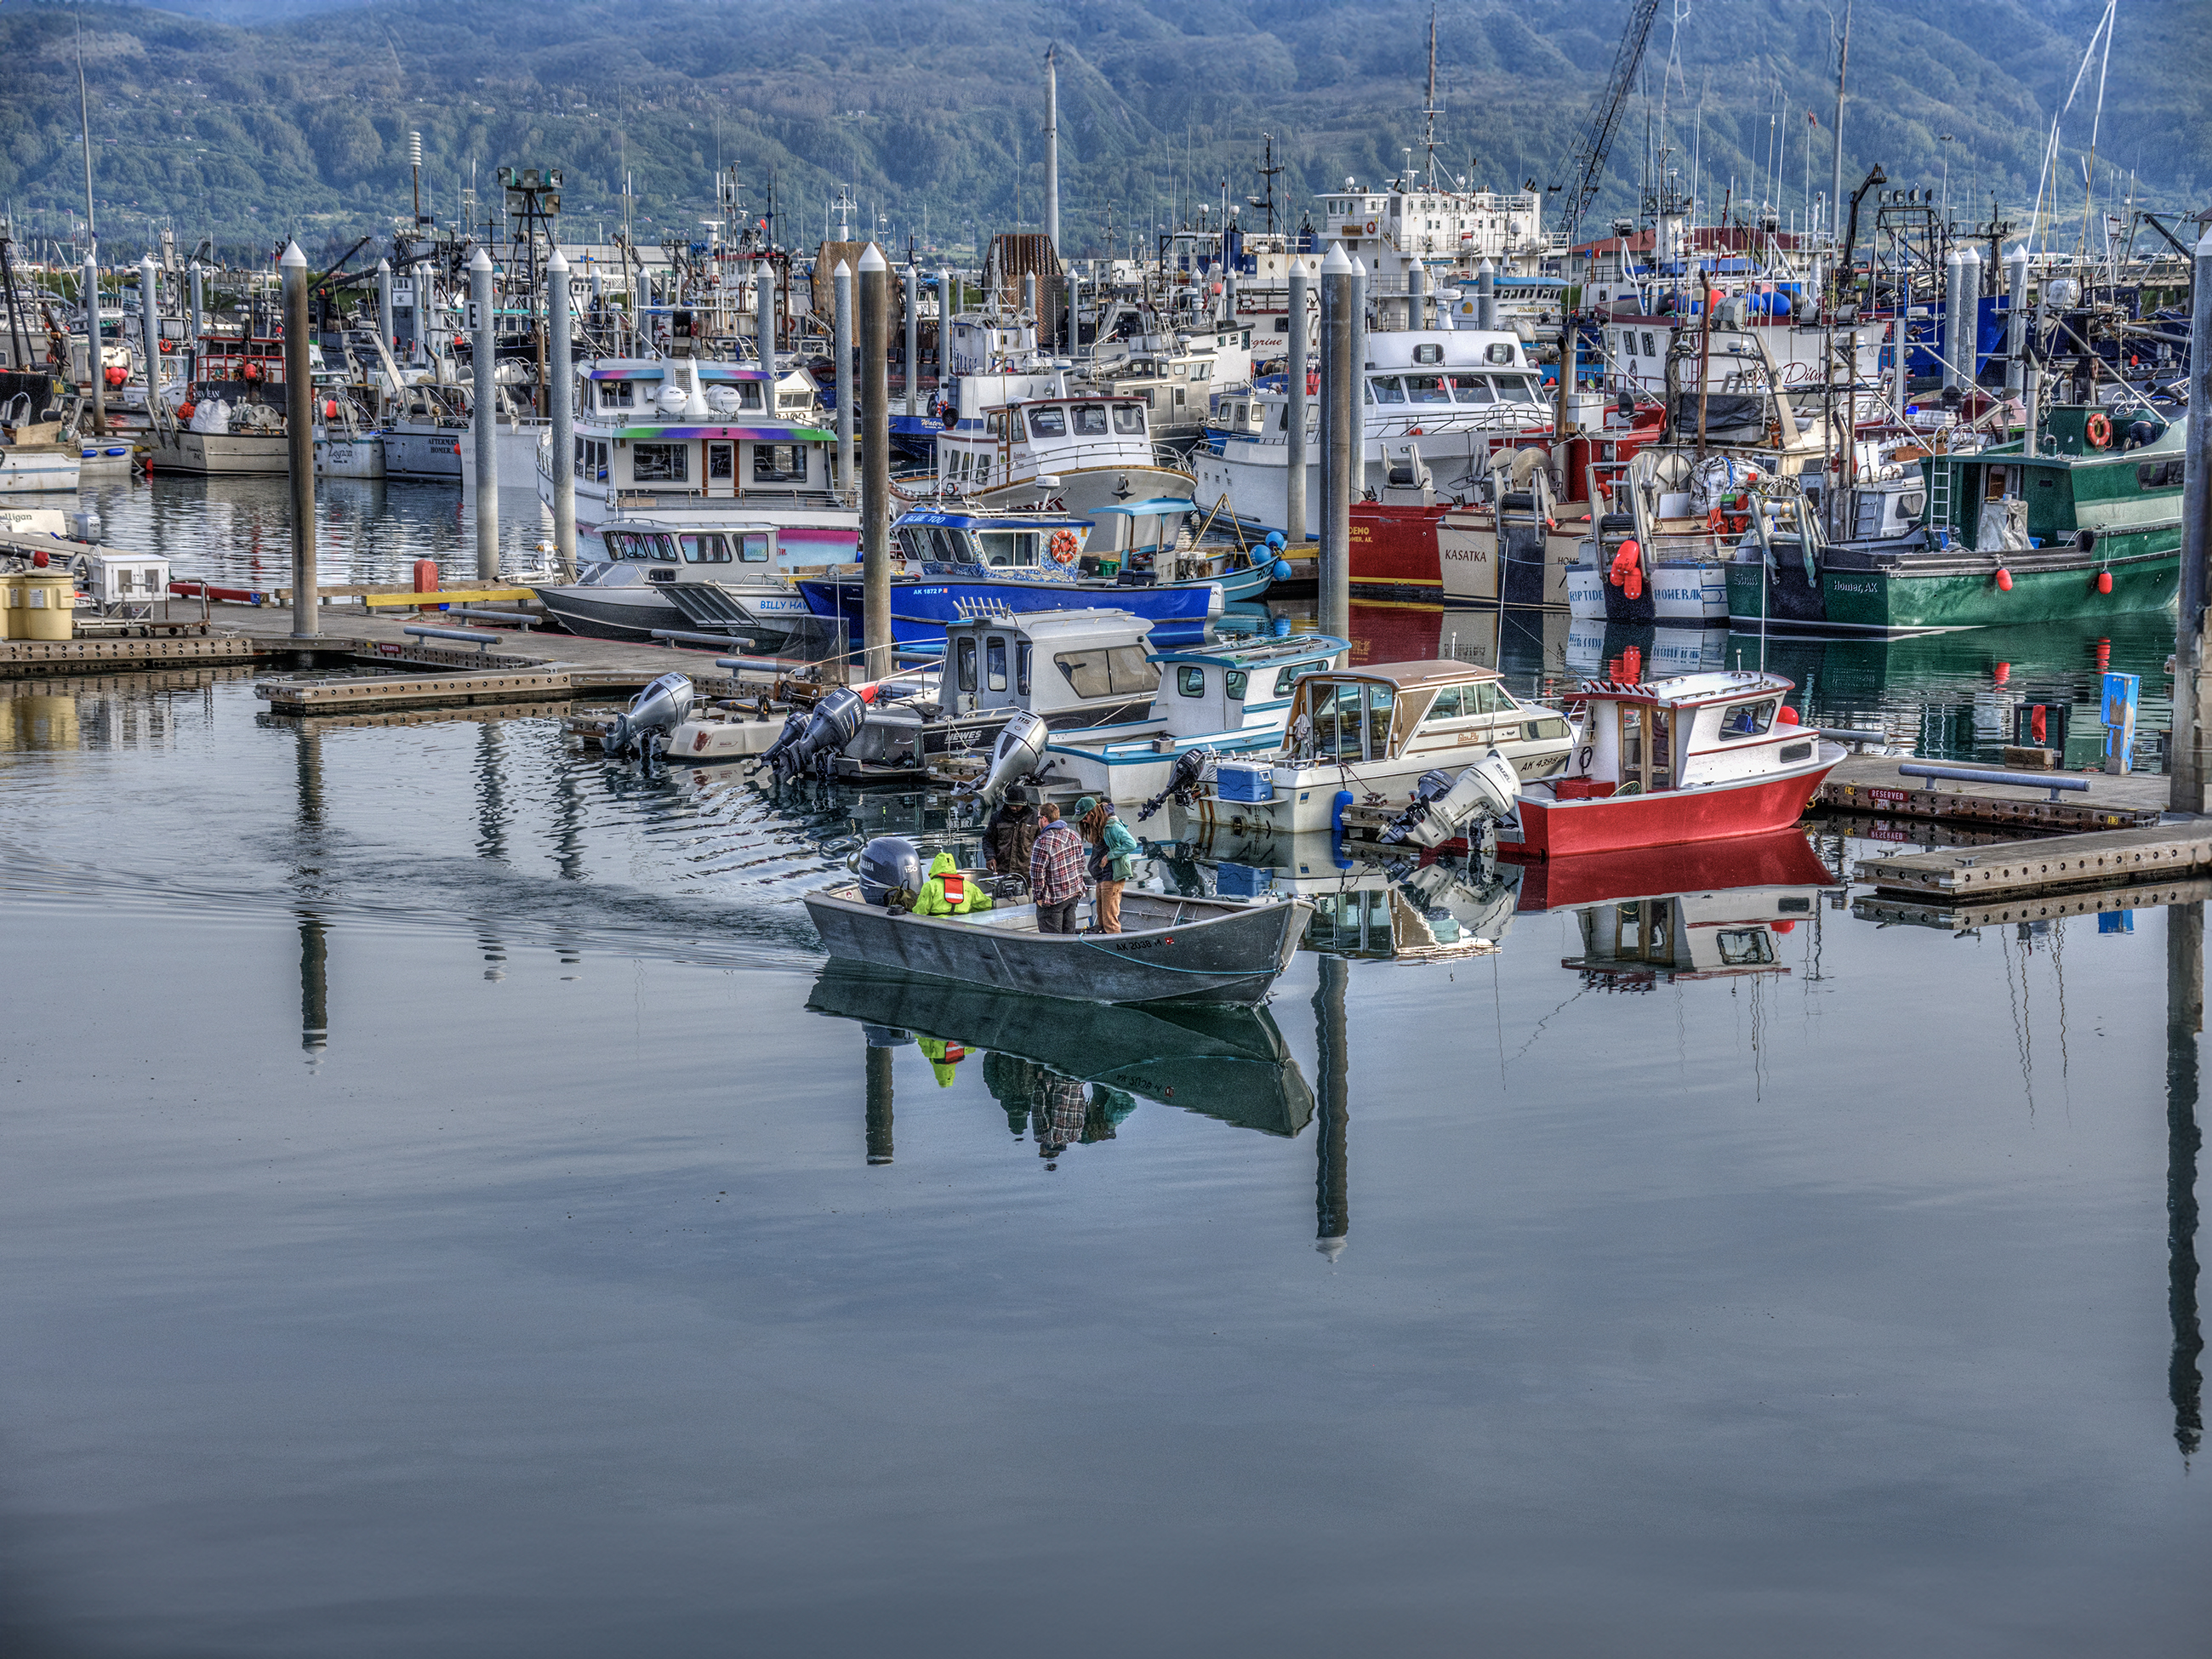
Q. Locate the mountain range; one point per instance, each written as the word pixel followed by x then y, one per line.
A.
pixel 248 120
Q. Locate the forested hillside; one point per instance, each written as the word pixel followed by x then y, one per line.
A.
pixel 246 119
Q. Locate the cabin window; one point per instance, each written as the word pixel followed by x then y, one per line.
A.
pixel 1794 753
pixel 1445 707
pixel 1386 389
pixel 1048 422
pixel 1233 682
pixel 1190 680
pixel 964 661
pixel 1428 354
pixel 1909 507
pixel 1120 671
pixel 721 463
pixel 911 543
pixel 1515 387
pixel 1285 678
pixel 1650 349
pixel 778 463
pixel 2155 475
pixel 617 394
pixel 1021 667
pixel 1995 487
pixel 1004 547
pixel 1426 389
pixel 660 463
pixel 1744 947
pixel 1091 420
pixel 1749 719
pixel 995 663
pixel 754 549
pixel 1471 389
pixel 704 549
pixel 662 548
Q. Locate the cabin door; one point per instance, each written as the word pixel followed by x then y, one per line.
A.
pixel 721 469
pixel 1647 757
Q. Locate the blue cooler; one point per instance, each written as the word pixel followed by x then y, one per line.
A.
pixel 1250 782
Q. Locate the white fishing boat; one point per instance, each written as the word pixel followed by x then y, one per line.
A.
pixel 1364 736
pixel 1446 395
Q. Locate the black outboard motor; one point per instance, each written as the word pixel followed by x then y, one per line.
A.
pixel 1184 781
pixel 836 721
pixel 795 728
pixel 889 865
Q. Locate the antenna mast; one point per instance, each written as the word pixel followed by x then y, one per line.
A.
pixel 1429 109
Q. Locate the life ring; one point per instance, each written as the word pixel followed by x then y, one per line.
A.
pixel 168 346
pixel 1372 226
pixel 1064 547
pixel 2099 429
pixel 250 372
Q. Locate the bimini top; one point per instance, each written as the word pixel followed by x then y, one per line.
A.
pixel 1406 676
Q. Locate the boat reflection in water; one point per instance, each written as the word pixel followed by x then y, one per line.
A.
pixel 1412 906
pixel 1708 910
pixel 1039 1052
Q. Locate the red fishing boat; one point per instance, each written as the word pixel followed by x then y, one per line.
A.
pixel 1700 757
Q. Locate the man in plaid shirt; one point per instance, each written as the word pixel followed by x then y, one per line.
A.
pixel 1055 873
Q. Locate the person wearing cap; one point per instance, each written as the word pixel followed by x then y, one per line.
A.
pixel 1011 833
pixel 1114 851
pixel 1055 871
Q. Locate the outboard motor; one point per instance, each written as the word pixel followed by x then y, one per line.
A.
pixel 1185 778
pixel 643 727
pixel 795 728
pixel 1019 752
pixel 833 724
pixel 1443 804
pixel 889 865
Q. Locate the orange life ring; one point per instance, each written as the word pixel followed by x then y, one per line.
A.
pixel 1065 547
pixel 2099 429
pixel 1371 226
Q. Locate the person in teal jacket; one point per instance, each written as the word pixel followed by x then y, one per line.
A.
pixel 948 893
pixel 1114 852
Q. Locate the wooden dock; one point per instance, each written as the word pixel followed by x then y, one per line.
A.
pixel 2150 852
pixel 1892 909
pixel 1871 784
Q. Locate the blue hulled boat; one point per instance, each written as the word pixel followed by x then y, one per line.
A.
pixel 1131 557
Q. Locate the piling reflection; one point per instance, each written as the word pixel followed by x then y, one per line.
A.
pixel 1333 1058
pixel 306 881
pixel 1226 1063
pixel 2185 1020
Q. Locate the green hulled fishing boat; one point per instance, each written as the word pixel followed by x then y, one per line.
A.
pixel 2089 525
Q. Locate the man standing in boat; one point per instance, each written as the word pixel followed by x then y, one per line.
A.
pixel 1055 871
pixel 1011 833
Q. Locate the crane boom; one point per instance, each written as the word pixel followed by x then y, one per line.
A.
pixel 1587 164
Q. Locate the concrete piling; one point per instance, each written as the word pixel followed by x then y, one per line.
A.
pixel 876 463
pixel 483 407
pixel 841 284
pixel 1294 432
pixel 560 391
pixel 300 436
pixel 1341 410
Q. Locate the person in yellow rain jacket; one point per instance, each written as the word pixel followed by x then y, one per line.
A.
pixel 942 1056
pixel 948 893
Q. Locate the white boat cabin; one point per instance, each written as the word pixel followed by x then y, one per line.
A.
pixel 687 427
pixel 1429 712
pixel 1058 665
pixel 1695 731
pixel 1012 427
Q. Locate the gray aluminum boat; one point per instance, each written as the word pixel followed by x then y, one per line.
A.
pixel 1170 949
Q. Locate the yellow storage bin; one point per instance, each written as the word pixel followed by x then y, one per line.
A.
pixel 11 595
pixel 48 611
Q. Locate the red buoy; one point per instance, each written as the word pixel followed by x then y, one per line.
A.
pixel 1785 927
pixel 39 560
pixel 1786 714
pixel 2004 672
pixel 2004 582
pixel 2104 582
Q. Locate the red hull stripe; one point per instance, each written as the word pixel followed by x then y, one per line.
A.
pixel 1667 818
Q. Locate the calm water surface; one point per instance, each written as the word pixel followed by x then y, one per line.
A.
pixel 452 1210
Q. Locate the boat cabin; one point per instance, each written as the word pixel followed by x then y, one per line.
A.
pixel 1133 534
pixel 990 445
pixel 2098 471
pixel 1435 712
pixel 948 544
pixel 729 553
pixel 1695 732
pixel 685 427
pixel 1088 667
